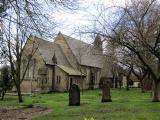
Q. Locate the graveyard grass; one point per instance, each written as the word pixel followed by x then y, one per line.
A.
pixel 126 105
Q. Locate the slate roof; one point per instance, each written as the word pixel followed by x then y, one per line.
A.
pixel 70 71
pixel 85 53
pixel 48 49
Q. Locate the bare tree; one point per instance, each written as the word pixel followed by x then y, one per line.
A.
pixel 135 28
pixel 138 31
pixel 19 19
pixel 141 74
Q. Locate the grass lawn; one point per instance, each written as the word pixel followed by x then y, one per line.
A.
pixel 126 105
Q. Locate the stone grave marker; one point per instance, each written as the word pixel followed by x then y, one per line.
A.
pixel 106 96
pixel 74 95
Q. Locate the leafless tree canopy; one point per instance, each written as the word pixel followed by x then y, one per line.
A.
pixel 136 29
pixel 19 19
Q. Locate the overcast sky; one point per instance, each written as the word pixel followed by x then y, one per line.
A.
pixel 78 19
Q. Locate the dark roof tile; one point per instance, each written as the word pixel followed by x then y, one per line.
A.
pixel 85 53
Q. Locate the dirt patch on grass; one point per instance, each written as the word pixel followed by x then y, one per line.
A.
pixel 23 113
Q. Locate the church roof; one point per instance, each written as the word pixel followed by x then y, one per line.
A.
pixel 48 50
pixel 70 71
pixel 85 53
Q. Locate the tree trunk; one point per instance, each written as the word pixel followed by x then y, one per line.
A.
pixel 156 91
pixel 127 87
pixel 142 86
pixel 128 77
pixel 142 89
pixel 120 84
pixel 3 94
pixel 19 94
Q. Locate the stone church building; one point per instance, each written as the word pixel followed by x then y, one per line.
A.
pixel 54 66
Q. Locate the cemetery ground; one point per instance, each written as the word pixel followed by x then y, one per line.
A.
pixel 126 105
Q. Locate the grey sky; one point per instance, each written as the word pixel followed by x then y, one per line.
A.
pixel 81 18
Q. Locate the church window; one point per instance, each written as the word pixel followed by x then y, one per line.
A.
pixel 58 79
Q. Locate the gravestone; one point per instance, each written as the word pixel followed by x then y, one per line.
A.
pixel 106 96
pixel 74 95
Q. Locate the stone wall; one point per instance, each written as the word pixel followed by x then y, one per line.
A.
pixel 78 80
pixel 28 86
pixel 50 77
pixel 97 74
pixel 39 63
pixel 60 80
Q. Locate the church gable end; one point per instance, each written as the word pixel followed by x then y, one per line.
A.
pixel 60 40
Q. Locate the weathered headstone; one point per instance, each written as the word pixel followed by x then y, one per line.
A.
pixel 106 96
pixel 74 95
